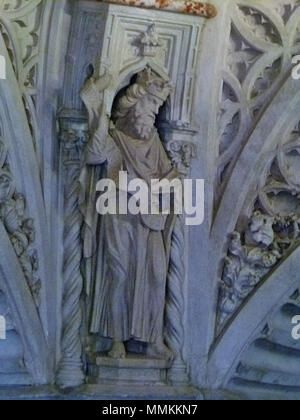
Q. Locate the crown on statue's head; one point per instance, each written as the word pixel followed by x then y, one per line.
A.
pixel 154 84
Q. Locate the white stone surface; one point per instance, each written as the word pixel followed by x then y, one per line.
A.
pixel 233 119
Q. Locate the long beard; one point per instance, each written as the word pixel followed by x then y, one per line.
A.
pixel 144 127
pixel 145 132
pixel 138 126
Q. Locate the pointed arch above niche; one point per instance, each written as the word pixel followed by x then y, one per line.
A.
pixel 125 77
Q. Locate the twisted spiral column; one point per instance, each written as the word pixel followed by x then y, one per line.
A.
pixel 181 154
pixel 70 373
pixel 175 307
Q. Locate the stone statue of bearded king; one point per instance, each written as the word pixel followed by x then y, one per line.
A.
pixel 131 252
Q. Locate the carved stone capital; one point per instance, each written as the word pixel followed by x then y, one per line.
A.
pixel 181 154
pixel 180 145
pixel 73 136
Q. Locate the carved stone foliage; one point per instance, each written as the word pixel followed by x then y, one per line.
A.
pixel 25 267
pixel 273 229
pixel 149 42
pixel 19 227
pixel 279 188
pixel 20 29
pixel 20 24
pixel 262 41
pixel 181 154
pixel 252 257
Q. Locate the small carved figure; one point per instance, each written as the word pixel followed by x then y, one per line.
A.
pixel 247 264
pixel 150 42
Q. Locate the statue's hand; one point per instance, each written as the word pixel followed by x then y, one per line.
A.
pixel 97 85
pixel 92 96
pixel 104 122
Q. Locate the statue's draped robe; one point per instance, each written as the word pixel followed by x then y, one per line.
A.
pixel 130 252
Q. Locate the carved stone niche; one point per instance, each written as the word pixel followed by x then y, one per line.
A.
pixel 137 366
pixel 116 45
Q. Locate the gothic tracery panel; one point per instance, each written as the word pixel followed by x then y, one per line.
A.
pixel 262 41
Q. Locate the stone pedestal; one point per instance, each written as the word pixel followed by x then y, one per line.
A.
pixel 133 370
pixel 18 378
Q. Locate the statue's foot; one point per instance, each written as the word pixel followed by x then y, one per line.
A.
pixel 159 351
pixel 117 351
